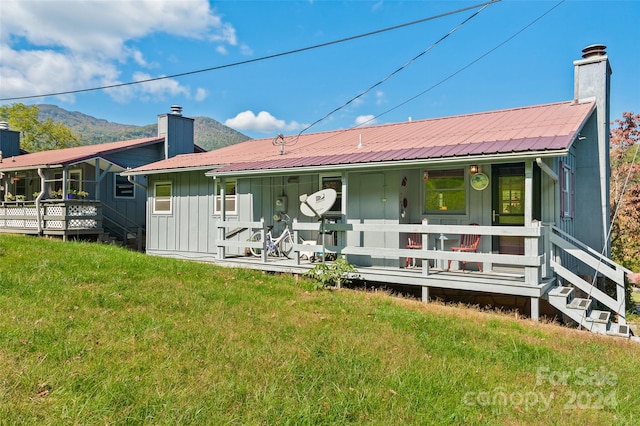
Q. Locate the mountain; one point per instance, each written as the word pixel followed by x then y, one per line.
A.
pixel 209 133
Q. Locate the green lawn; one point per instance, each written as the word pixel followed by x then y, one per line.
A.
pixel 94 334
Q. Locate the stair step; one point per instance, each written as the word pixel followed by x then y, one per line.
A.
pixel 621 330
pixel 580 303
pixel 562 294
pixel 601 317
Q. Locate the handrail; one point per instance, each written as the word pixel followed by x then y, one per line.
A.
pixel 126 219
pixel 589 250
pixel 125 228
pixel 531 260
pixel 599 263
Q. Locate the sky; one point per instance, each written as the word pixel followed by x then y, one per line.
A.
pixel 511 53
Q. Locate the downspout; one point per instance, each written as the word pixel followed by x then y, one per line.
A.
pixel 43 182
pixel 548 170
pixel 132 180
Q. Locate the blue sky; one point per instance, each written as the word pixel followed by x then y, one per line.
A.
pixel 51 46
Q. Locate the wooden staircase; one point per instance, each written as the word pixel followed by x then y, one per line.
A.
pixel 581 311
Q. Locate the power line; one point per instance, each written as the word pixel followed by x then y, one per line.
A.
pixel 456 28
pixel 450 76
pixel 262 58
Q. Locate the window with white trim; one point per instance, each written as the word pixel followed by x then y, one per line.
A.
pixel 122 188
pixel 567 190
pixel 162 201
pixel 230 204
pixel 333 182
pixel 445 192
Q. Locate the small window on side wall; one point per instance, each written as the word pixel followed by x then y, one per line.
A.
pixel 567 191
pixel 162 192
pixel 230 204
pixel 122 187
pixel 333 182
pixel 444 192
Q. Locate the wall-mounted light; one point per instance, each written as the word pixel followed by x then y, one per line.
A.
pixel 474 168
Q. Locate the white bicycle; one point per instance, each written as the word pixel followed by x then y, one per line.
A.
pixel 280 246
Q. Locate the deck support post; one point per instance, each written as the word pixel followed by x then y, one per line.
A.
pixel 535 308
pixel 425 293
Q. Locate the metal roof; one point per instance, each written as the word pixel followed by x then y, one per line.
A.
pixel 549 128
pixel 67 156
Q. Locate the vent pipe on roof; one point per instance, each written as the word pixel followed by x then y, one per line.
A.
pixel 4 125
pixel 176 110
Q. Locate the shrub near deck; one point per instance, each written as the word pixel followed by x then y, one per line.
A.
pixel 96 334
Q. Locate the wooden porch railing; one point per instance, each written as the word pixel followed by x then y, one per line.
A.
pixel 533 259
pixel 57 217
pixel 561 242
pixel 543 245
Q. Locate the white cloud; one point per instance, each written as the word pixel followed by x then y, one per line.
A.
pixel 365 120
pixel 201 94
pixel 380 99
pixel 54 46
pixel 264 122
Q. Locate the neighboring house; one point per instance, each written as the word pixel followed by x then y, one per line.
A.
pixel 534 179
pixel 79 191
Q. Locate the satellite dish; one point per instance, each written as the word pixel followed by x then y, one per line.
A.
pixel 318 203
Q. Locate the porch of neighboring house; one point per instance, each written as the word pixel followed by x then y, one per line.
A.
pixel 537 274
pixel 70 208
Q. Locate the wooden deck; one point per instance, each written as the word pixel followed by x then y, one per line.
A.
pixel 508 281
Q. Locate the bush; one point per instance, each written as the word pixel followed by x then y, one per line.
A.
pixel 332 274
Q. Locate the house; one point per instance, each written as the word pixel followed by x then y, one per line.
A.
pixel 533 181
pixel 79 191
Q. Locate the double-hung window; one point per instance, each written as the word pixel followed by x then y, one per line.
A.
pixel 162 192
pixel 230 199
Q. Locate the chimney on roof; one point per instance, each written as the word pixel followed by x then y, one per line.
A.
pixel 592 80
pixel 177 132
pixel 9 140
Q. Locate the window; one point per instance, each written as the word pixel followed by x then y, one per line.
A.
pixel 162 197
pixel 445 191
pixel 122 187
pixel 333 182
pixel 20 186
pixel 230 197
pixel 74 180
pixel 567 192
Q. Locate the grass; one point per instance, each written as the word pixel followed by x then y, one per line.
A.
pixel 96 334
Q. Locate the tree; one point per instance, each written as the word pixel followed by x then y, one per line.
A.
pixel 625 191
pixel 37 135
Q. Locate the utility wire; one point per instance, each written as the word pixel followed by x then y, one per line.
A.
pixel 262 58
pixel 415 58
pixel 487 53
pixel 450 76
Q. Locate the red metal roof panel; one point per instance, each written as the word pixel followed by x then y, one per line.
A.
pixel 535 128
